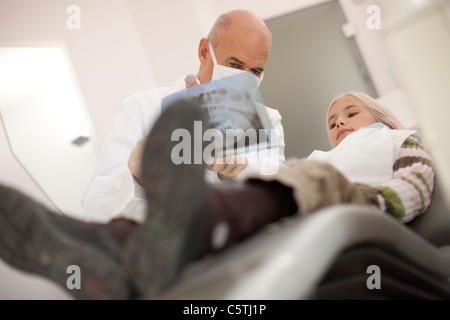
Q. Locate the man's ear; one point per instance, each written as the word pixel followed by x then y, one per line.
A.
pixel 203 50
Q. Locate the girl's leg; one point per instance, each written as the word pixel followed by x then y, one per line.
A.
pixel 185 214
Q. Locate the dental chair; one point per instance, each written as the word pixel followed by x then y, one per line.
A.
pixel 330 254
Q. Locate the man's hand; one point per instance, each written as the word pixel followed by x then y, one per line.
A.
pixel 135 160
pixel 228 167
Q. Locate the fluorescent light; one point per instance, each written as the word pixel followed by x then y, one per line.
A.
pixel 39 78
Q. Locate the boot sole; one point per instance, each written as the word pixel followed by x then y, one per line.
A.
pixel 30 241
pixel 176 195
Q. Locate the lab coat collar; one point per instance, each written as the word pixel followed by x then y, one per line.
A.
pixel 183 81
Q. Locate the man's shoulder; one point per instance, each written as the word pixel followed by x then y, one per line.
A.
pixel 153 94
pixel 272 113
pixel 156 93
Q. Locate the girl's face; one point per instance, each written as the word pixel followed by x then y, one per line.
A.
pixel 345 116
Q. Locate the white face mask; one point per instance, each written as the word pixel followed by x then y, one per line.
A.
pixel 221 72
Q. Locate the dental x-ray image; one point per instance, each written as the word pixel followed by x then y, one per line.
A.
pixel 237 119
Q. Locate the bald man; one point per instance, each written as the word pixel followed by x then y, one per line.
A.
pixel 238 41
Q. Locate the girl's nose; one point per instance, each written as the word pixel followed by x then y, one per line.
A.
pixel 339 122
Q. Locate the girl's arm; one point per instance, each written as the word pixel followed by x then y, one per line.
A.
pixel 409 193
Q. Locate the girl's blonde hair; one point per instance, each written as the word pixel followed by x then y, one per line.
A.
pixel 381 113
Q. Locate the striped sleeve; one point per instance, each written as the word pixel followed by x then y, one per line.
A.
pixel 409 193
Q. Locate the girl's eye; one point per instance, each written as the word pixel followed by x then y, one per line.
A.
pixel 351 115
pixel 332 126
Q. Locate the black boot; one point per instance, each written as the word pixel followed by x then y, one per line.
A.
pixel 37 240
pixel 174 231
pixel 184 213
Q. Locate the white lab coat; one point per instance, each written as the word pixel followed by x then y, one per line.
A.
pixel 113 192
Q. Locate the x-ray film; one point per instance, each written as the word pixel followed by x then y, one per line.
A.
pixel 237 118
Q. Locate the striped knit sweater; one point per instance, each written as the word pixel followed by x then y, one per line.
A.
pixel 409 193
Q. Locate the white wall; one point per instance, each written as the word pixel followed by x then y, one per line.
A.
pixel 419 40
pixel 106 53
